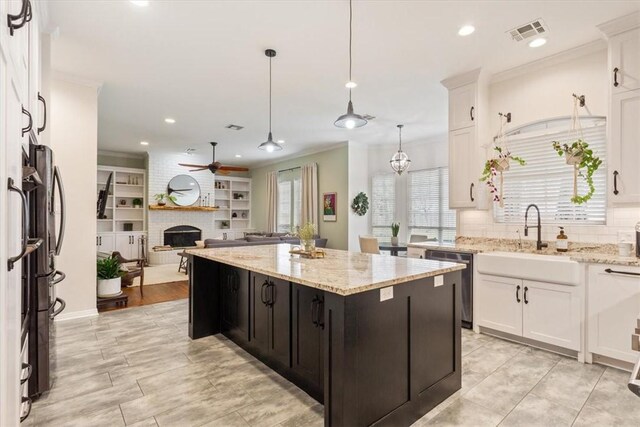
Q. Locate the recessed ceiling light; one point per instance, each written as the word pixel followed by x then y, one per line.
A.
pixel 144 143
pixel 281 141
pixel 351 85
pixel 537 42
pixel 466 30
pixel 170 120
pixel 141 3
pixel 238 156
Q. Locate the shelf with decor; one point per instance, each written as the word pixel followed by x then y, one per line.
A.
pixel 125 213
pixel 232 196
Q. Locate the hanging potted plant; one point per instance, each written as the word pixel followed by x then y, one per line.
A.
pixel 500 162
pixel 581 157
pixel 395 229
pixel 109 276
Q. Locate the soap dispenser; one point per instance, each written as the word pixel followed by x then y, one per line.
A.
pixel 562 241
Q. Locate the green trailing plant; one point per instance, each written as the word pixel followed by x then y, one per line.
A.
pixel 108 268
pixel 307 231
pixel 161 198
pixel 360 204
pixel 395 229
pixel 495 165
pixel 581 156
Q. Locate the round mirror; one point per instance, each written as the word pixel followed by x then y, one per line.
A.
pixel 185 189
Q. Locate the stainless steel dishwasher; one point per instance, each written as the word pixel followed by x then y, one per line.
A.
pixel 467 279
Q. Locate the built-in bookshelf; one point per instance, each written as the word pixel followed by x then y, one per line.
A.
pixel 232 197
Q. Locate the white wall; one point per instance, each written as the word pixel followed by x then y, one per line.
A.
pixel 423 155
pixel 163 167
pixel 543 93
pixel 74 140
pixel 358 181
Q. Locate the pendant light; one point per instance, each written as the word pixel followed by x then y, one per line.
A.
pixel 269 145
pixel 350 120
pixel 400 161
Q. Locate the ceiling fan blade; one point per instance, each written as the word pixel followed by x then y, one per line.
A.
pixel 222 172
pixel 233 168
pixel 198 170
pixel 193 166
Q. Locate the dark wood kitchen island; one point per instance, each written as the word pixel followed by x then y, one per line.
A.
pixel 374 338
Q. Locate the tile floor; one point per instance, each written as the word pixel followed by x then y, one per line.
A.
pixel 138 367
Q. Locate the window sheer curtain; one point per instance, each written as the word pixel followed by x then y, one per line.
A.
pixel 272 201
pixel 310 194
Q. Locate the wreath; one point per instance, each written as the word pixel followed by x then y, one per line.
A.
pixel 360 204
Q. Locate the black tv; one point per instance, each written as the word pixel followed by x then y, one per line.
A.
pixel 103 196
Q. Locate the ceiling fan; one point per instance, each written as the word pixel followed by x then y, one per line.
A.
pixel 215 167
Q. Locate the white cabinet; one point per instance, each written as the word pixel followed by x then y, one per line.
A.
pixel 128 244
pixel 624 152
pixel 415 253
pixel 499 302
pixel 106 242
pixel 551 314
pixel 462 173
pixel 625 61
pixel 613 297
pixel 546 312
pixel 462 106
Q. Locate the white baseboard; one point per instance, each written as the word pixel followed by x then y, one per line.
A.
pixel 93 312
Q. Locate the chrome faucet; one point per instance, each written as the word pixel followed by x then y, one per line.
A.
pixel 539 244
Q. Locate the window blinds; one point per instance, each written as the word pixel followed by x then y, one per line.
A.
pixel 383 204
pixel 428 196
pixel 547 180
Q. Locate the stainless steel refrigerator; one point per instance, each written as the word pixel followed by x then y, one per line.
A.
pixel 44 276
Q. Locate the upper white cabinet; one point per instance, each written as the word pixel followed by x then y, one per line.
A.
pixel 624 147
pixel 613 304
pixel 623 35
pixel 625 61
pixel 462 106
pixel 465 131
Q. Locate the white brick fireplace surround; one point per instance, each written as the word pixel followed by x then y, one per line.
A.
pixel 163 167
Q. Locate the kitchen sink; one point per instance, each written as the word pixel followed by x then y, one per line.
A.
pixel 543 268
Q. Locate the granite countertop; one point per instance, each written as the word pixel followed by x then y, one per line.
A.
pixel 340 272
pixel 581 252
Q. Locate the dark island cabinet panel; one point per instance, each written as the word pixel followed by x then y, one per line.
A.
pixel 307 358
pixel 234 311
pixel 260 313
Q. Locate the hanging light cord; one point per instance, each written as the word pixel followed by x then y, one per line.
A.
pixel 400 133
pixel 350 41
pixel 270 58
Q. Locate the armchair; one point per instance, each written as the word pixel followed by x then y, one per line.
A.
pixel 132 272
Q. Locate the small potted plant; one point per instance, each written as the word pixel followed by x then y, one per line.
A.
pixel 395 229
pixel 580 156
pixel 137 203
pixel 109 277
pixel 162 198
pixel 498 165
pixel 306 234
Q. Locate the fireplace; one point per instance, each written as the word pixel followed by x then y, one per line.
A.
pixel 182 236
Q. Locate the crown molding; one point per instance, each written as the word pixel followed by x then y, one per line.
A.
pixel 548 61
pixel 83 81
pixel 121 154
pixel 620 25
pixel 461 79
pixel 303 153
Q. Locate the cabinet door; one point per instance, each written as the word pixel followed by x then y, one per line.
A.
pixel 500 303
pixel 624 50
pixel 124 245
pixel 280 338
pixel 229 299
pixel 552 313
pixel 259 312
pixel 625 147
pixel 462 102
pixel 235 302
pixel 106 243
pixel 462 173
pixel 612 311
pixel 308 335
pixel 136 245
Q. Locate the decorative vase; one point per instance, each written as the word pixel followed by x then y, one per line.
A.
pixel 309 245
pixel 394 240
pixel 109 287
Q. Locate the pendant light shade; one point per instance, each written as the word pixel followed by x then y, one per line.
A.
pixel 269 145
pixel 400 161
pixel 350 120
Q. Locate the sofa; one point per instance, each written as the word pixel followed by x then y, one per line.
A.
pixel 255 239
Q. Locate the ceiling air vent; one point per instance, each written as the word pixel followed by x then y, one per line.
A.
pixel 234 127
pixel 530 29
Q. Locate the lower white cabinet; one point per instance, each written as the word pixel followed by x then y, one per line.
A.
pixel 545 312
pixel 613 305
pixel 106 242
pixel 128 244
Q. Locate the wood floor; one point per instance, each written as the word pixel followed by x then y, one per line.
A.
pixel 154 294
